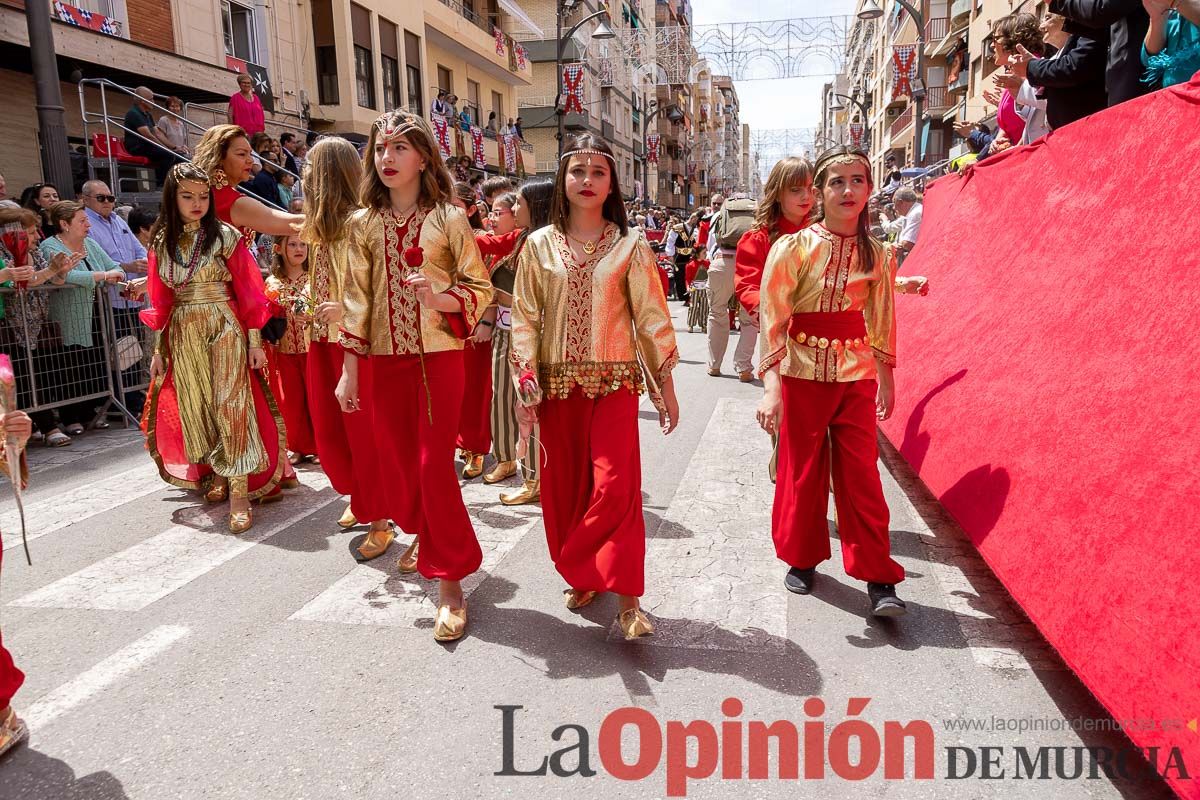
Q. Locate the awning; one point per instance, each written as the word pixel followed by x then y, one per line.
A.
pixel 512 9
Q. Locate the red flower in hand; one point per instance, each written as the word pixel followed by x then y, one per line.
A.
pixel 414 256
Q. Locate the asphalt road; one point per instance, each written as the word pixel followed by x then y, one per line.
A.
pixel 167 658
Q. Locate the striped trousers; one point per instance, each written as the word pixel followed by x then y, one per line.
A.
pixel 505 430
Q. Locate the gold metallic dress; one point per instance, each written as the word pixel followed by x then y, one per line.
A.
pixel 223 419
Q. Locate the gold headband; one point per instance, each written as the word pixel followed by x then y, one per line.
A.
pixel 393 125
pixel 843 158
pixel 187 171
pixel 586 152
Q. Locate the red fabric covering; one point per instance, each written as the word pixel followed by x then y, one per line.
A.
pixel 475 425
pixel 293 402
pixel 1047 392
pixel 11 678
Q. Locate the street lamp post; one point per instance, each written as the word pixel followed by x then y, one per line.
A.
pixel 863 108
pixel 871 10
pixel 603 31
pixel 645 149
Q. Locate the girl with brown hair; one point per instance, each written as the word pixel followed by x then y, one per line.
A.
pixel 414 293
pixel 829 344
pixel 287 288
pixel 591 331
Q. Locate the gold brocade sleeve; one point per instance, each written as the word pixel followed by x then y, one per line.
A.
pixel 357 294
pixel 653 330
pixel 787 259
pixel 880 310
pixel 469 283
pixel 527 314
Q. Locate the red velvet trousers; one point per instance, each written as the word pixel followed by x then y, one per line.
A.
pixel 353 469
pixel 845 412
pixel 11 678
pixel 475 425
pixel 293 402
pixel 416 458
pixel 592 491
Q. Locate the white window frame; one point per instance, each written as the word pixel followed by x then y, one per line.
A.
pixel 228 33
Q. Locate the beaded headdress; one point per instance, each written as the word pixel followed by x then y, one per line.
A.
pixel 587 152
pixel 187 171
pixel 843 158
pixel 394 124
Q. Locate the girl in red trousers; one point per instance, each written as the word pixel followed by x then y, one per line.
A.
pixel 829 346
pixel 590 331
pixel 475 428
pixel 415 291
pixel 332 174
pixel 17 427
pixel 287 288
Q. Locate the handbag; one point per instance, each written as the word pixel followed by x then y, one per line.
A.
pixel 128 352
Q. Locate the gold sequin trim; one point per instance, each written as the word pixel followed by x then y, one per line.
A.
pixel 594 378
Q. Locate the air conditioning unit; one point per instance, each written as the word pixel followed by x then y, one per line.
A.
pixel 893 112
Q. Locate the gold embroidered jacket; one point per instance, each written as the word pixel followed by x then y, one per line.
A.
pixel 287 295
pixel 383 316
pixel 600 325
pixel 328 266
pixel 816 270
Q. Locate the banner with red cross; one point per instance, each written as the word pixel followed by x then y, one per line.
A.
pixel 573 88
pixel 498 35
pixel 522 57
pixel 82 18
pixel 441 129
pixel 904 69
pixel 652 148
pixel 477 146
pixel 856 135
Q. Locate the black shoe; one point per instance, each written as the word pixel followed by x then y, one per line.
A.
pixel 884 602
pixel 799 580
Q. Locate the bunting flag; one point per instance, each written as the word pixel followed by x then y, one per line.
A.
pixel 441 129
pixel 652 148
pixel 499 37
pixel 904 69
pixel 82 18
pixel 522 57
pixel 510 152
pixel 856 135
pixel 573 86
pixel 477 146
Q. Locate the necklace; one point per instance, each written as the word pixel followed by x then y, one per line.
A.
pixel 589 245
pixel 193 262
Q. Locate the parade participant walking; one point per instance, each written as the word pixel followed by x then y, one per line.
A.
pixel 332 173
pixel 591 330
pixel 829 329
pixel 17 427
pixel 287 287
pixel 474 428
pixel 530 212
pixel 211 422
pixel 414 292
pixel 736 217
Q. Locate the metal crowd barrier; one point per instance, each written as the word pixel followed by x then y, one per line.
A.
pixel 68 365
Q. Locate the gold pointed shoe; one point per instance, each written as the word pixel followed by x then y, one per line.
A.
pixel 531 492
pixel 634 624
pixel 375 545
pixel 501 472
pixel 241 521
pixel 217 493
pixel 451 623
pixel 578 598
pixel 347 519
pixel 12 731
pixel 408 562
pixel 473 468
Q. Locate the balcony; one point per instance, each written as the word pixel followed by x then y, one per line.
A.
pixel 903 121
pixel 960 10
pixel 936 29
pixel 960 83
pixel 936 99
pixel 457 27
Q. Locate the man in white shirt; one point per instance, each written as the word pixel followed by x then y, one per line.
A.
pixel 909 206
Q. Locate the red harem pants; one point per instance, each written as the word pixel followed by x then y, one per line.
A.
pixel 345 442
pixel 416 459
pixel 11 678
pixel 592 491
pixel 846 413
pixel 293 402
pixel 475 425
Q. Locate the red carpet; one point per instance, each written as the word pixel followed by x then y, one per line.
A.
pixel 1049 394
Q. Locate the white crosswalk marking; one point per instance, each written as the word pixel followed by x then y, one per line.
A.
pixel 121 663
pixel 712 577
pixel 375 594
pixel 81 503
pixel 151 570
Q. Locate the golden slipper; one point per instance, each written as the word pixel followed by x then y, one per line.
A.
pixel 451 623
pixel 474 467
pixel 347 519
pixel 375 545
pixel 634 624
pixel 240 521
pixel 501 472
pixel 408 562
pixel 12 731
pixel 529 493
pixel 217 493
pixel 578 598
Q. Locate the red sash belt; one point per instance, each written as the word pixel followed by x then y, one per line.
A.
pixel 823 328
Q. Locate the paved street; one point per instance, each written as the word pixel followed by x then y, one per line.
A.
pixel 167 658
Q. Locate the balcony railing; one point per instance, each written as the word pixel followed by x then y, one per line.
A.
pixel 481 21
pixel 960 8
pixel 935 98
pixel 936 29
pixel 902 122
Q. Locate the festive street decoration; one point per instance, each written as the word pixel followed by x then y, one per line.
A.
pixel 573 88
pixel 856 135
pixel 509 149
pixel 652 148
pixel 904 69
pixel 499 37
pixel 522 57
pixel 477 146
pixel 441 129
pixel 82 18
